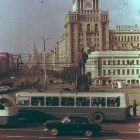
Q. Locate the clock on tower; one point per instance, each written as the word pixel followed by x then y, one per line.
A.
pixel 88 4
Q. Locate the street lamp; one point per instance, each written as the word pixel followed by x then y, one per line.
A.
pixel 45 75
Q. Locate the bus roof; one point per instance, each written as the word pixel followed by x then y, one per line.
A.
pixel 79 94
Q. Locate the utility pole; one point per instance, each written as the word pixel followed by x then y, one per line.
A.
pixel 112 78
pixel 45 75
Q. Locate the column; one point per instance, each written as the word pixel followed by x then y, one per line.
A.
pixel 93 4
pixel 78 5
pixel 97 3
pixel 82 4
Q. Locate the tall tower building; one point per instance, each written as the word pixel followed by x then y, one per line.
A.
pixel 86 27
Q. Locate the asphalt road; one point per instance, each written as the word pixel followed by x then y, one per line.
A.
pixel 24 130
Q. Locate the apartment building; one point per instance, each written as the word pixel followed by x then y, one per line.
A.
pixel 7 62
pixel 107 67
pixel 86 27
pixel 125 37
pixel 61 51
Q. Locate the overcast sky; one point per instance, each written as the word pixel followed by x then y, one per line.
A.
pixel 24 21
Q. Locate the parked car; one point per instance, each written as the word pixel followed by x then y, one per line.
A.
pixel 67 90
pixel 73 124
pixel 5 88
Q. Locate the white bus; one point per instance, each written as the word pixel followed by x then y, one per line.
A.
pixel 96 106
pixel 8 110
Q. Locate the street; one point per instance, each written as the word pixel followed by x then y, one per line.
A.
pixel 128 130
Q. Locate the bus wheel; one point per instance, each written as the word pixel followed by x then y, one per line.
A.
pixel 54 132
pixel 98 117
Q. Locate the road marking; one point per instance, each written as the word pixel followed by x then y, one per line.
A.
pixel 125 132
pixel 14 136
pixel 113 139
pixel 23 130
pixel 46 137
pixel 80 138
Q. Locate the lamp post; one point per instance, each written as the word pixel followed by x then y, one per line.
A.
pixel 45 75
pixel 112 78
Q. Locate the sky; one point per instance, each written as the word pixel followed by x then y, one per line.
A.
pixel 23 22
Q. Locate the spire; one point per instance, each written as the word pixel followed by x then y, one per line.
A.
pixel 35 49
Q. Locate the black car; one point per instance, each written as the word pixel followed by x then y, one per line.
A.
pixel 73 124
pixel 67 90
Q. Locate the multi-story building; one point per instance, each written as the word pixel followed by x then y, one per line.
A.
pixel 61 51
pixel 86 27
pixel 51 60
pixel 107 67
pixel 7 62
pixel 125 37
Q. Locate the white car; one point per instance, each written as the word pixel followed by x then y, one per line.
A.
pixel 5 88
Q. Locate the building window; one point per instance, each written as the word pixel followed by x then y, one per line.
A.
pixel 131 62
pixel 118 38
pixel 114 62
pixel 88 27
pixel 118 72
pixel 128 71
pixel 123 71
pixel 118 62
pixel 109 72
pixel 104 62
pixel 123 62
pixel 80 27
pixel 133 72
pixel 96 27
pixel 137 38
pixel 137 62
pixel 128 81
pixel 122 38
pixel 114 72
pixel 137 71
pixel 128 62
pixel 125 38
pixel 134 38
pixel 109 62
pixel 104 72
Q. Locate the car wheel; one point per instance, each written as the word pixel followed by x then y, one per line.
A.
pixel 98 117
pixel 88 133
pixel 54 132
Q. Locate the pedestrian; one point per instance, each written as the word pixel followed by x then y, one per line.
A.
pixel 134 108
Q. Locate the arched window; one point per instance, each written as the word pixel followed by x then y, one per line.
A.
pixel 96 27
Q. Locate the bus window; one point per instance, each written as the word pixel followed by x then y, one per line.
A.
pixel 23 101
pixel 37 101
pixel 98 101
pixel 110 101
pixel 52 101
pixel 1 106
pixel 67 101
pixel 82 101
pixel 117 101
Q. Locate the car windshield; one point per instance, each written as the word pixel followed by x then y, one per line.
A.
pixel 80 121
